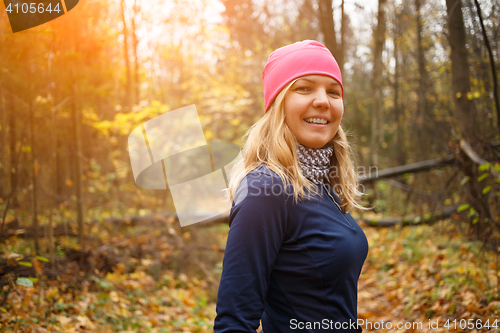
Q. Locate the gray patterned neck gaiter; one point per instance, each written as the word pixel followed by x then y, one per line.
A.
pixel 315 162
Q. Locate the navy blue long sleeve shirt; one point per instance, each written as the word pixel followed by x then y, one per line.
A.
pixel 293 265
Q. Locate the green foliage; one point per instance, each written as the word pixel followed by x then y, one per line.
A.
pixel 25 282
pixel 486 189
pixel 482 177
pixel 25 263
pixel 484 167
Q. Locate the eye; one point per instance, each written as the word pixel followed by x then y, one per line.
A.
pixel 302 88
pixel 335 93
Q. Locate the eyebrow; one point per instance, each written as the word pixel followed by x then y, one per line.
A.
pixel 334 83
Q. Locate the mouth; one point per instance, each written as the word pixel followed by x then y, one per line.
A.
pixel 319 121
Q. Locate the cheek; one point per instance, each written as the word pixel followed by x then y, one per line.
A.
pixel 292 117
pixel 292 124
pixel 338 112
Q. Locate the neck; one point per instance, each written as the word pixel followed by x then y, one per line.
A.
pixel 315 162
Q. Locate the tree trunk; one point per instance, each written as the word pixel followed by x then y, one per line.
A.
pixel 128 86
pixel 398 114
pixel 460 70
pixel 492 62
pixel 3 143
pixel 377 124
pixel 12 145
pixel 342 49
pixel 422 83
pixel 464 108
pixel 327 25
pixel 136 58
pixel 61 164
pixel 78 168
pixel 34 172
pixel 52 187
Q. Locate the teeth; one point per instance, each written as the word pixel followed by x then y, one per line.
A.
pixel 316 121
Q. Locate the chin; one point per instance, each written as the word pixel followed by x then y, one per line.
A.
pixel 315 144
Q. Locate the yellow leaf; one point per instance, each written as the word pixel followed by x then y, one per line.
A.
pixel 52 292
pixel 63 320
pixel 69 183
pixel 459 94
pixel 84 321
pixel 114 296
pixel 124 312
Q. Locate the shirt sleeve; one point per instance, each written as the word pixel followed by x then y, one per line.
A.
pixel 257 229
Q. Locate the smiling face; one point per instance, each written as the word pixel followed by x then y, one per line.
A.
pixel 313 109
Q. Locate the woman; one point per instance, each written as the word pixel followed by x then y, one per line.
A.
pixel 294 253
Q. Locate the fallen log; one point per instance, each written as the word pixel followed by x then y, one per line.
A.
pixel 69 228
pixel 65 229
pixel 62 230
pixel 409 168
pixel 413 220
pixel 430 164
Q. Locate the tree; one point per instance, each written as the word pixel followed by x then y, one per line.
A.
pixel 422 84
pixel 464 107
pixel 327 25
pixel 128 83
pixel 135 44
pixel 377 84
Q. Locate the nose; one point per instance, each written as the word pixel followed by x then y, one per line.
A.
pixel 321 99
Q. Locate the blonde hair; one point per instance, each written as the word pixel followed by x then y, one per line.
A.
pixel 270 141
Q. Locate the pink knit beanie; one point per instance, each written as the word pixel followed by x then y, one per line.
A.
pixel 295 60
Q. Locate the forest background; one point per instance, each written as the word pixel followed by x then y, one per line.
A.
pixel 84 248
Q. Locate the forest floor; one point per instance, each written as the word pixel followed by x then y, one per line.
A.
pixel 415 279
